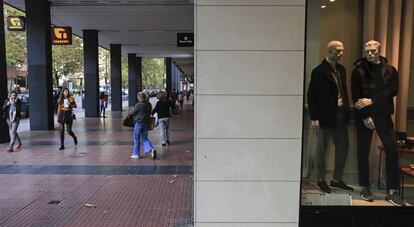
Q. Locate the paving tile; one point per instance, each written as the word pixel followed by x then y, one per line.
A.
pixel 99 171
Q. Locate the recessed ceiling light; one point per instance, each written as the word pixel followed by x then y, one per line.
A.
pixel 323 7
pixel 332 0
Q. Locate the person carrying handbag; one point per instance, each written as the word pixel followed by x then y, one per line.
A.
pixel 141 114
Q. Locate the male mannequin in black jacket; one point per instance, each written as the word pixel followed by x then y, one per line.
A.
pixel 329 113
pixel 374 85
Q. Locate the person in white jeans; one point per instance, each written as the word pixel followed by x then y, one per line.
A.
pixel 11 112
pixel 163 109
pixel 164 124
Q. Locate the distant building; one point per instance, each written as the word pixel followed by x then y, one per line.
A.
pixel 16 78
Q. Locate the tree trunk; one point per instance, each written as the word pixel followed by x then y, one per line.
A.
pixel 56 78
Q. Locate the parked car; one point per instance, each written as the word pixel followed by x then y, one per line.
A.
pixel 24 97
pixel 124 94
pixel 152 92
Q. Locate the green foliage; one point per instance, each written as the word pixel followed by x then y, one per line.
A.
pixel 153 72
pixel 16 44
pixel 124 72
pixel 68 61
pixel 104 66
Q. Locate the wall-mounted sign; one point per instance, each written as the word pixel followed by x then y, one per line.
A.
pixel 15 23
pixel 185 39
pixel 62 36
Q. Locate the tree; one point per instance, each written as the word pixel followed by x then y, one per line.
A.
pixel 16 43
pixel 104 65
pixel 153 72
pixel 124 72
pixel 68 60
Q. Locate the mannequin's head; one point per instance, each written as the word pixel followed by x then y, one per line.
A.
pixel 372 51
pixel 335 50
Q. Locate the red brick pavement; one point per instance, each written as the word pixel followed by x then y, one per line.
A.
pixel 121 200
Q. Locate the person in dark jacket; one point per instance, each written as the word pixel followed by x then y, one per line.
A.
pixel 11 112
pixel 66 103
pixel 329 113
pixel 374 85
pixel 162 108
pixel 141 114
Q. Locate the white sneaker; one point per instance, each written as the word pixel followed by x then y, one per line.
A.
pixel 135 157
pixel 153 153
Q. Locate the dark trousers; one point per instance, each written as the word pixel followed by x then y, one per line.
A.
pixel 339 135
pixel 385 130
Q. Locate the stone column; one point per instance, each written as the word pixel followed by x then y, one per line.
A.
pixel 39 58
pixel 116 77
pixel 91 68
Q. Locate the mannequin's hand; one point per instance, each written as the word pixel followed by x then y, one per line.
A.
pixel 315 125
pixel 369 123
pixel 364 102
pixel 340 102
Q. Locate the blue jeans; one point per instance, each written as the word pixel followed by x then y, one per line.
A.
pixel 141 130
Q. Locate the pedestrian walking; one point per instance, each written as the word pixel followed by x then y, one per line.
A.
pixel 103 100
pixel 66 103
pixel 162 108
pixel 11 112
pixel 141 114
pixel 181 99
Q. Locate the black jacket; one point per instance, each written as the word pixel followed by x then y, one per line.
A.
pixel 323 94
pixel 380 88
pixel 6 109
pixel 162 108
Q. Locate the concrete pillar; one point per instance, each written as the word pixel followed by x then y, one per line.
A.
pixel 91 68
pixel 173 73
pixel 4 130
pixel 132 79
pixel 168 70
pixel 39 57
pixel 258 66
pixel 177 79
pixel 139 74
pixel 116 78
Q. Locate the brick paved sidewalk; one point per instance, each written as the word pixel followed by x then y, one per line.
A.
pixel 42 186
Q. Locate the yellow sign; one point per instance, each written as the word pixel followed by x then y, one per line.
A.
pixel 61 35
pixel 15 23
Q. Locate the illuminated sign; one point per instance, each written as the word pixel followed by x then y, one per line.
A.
pixel 62 36
pixel 15 23
pixel 185 39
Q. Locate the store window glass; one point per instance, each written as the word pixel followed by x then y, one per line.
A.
pixel 358 109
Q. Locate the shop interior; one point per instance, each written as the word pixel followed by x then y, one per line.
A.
pixel 354 22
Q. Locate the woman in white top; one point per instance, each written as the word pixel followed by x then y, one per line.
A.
pixel 66 103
